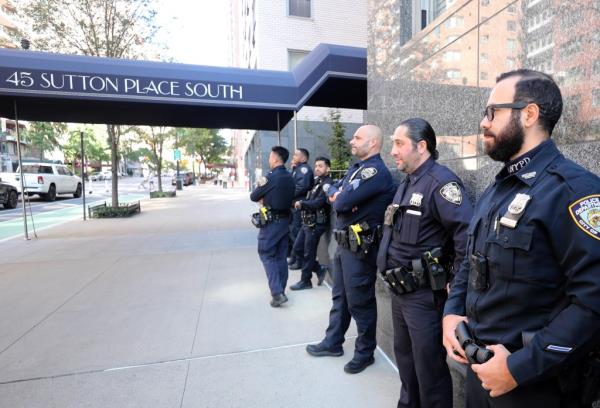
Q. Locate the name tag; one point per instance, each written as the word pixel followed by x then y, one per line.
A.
pixel 413 212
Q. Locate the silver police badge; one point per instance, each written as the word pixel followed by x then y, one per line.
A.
pixel 368 173
pixel 451 192
pixel 326 187
pixel 416 199
pixel 518 204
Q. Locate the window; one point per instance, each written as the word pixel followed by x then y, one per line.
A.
pixel 510 63
pixel 485 2
pixel 512 8
pixel 453 74
pixel 299 8
pixel 483 76
pixel 511 44
pixel 46 170
pixel 596 68
pixel 484 57
pixel 511 26
pixel 294 58
pixel 61 170
pixel 485 38
pixel 452 56
pixel 454 22
pixel 571 47
pixel 596 98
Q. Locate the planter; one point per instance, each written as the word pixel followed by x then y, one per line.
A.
pixel 162 194
pixel 105 211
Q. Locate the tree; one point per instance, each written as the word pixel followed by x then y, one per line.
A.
pixel 155 138
pixel 94 150
pixel 45 135
pixel 338 145
pixel 207 144
pixel 102 28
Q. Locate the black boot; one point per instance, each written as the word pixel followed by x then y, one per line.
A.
pixel 278 300
pixel 301 285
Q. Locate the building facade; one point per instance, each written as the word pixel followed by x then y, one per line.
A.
pixel 276 35
pixel 439 60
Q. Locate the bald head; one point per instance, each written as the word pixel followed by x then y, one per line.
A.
pixel 366 142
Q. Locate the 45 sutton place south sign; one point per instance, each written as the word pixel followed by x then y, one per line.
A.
pixel 65 83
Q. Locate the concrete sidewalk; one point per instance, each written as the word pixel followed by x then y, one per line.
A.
pixel 168 308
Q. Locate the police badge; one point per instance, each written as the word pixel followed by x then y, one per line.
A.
pixel 451 192
pixel 586 214
pixel 416 199
pixel 368 173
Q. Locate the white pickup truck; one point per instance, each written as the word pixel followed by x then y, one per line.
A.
pixel 45 179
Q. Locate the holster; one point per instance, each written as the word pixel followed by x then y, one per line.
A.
pixel 262 218
pixel 308 218
pixel 479 276
pixel 341 237
pixel 436 273
pixel 399 280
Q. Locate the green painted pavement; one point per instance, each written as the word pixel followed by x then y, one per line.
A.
pixel 14 228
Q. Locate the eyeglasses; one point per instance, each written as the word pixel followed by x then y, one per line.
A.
pixel 490 109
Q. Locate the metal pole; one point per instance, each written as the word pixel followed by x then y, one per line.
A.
pixel 82 173
pixel 278 130
pixel 21 171
pixel 295 130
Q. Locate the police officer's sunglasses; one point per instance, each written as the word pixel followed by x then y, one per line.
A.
pixel 490 109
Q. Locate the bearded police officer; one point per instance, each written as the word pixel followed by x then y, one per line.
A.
pixel 304 179
pixel 359 200
pixel 424 236
pixel 275 193
pixel 314 211
pixel 531 287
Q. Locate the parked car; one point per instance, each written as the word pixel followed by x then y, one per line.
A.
pixel 96 176
pixel 8 195
pixel 106 175
pixel 47 180
pixel 186 178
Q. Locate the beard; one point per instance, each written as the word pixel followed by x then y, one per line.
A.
pixel 507 142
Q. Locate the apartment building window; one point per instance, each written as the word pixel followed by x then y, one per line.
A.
pixel 484 57
pixel 511 44
pixel 574 75
pixel 512 8
pixel 485 38
pixel 483 76
pixel 294 58
pixel 596 68
pixel 485 2
pixel 511 26
pixel 510 63
pixel 451 38
pixel 453 74
pixel 596 98
pixel 454 22
pixel 452 56
pixel 299 8
pixel 571 47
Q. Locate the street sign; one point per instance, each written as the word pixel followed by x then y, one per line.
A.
pixel 177 154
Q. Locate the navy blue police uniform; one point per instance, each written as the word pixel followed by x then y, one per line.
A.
pixel 533 266
pixel 276 191
pixel 314 211
pixel 430 210
pixel 364 193
pixel 304 181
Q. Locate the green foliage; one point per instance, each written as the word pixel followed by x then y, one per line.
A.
pixel 121 211
pixel 155 138
pixel 163 194
pixel 95 150
pixel 338 145
pixel 207 144
pixel 45 136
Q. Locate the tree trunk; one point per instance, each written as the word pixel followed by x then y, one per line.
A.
pixel 113 137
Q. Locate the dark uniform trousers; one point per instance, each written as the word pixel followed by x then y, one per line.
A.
pixel 425 377
pixel 294 229
pixel 305 249
pixel 272 246
pixel 353 296
pixel 544 394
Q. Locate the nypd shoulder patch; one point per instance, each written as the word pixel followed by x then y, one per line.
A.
pixel 451 192
pixel 304 170
pixel 262 181
pixel 586 214
pixel 326 187
pixel 367 173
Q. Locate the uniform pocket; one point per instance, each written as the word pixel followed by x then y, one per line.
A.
pixel 408 229
pixel 502 250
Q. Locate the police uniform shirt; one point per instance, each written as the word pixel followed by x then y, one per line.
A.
pixel 365 191
pixel 303 178
pixel 276 189
pixel 433 211
pixel 316 198
pixel 538 225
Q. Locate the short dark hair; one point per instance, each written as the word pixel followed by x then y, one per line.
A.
pixel 419 129
pixel 324 160
pixel 539 88
pixel 282 152
pixel 304 152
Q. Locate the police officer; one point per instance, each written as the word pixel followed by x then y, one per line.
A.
pixel 304 179
pixel 275 193
pixel 314 211
pixel 359 199
pixel 424 234
pixel 533 269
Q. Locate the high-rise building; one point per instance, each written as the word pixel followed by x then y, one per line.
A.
pixel 277 35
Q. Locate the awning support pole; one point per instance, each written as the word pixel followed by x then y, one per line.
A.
pixel 295 130
pixel 278 131
pixel 82 173
pixel 21 172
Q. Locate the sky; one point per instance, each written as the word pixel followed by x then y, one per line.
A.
pixel 195 31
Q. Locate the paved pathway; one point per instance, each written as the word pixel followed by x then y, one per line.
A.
pixel 168 308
